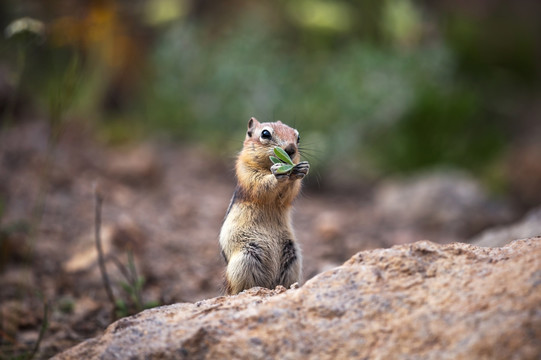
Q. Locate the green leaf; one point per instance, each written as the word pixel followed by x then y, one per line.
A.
pixel 275 160
pixel 140 282
pixel 282 155
pixel 126 287
pixel 284 169
pixel 151 304
pixel 121 305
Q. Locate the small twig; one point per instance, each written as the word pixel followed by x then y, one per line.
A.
pixel 123 270
pixel 105 277
pixel 44 326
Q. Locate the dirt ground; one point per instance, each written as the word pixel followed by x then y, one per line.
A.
pixel 163 203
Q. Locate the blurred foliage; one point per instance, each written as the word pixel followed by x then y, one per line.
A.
pixel 394 109
pixel 377 86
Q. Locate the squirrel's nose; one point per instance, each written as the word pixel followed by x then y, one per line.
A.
pixel 291 149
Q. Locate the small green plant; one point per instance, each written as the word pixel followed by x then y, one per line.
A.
pixel 133 286
pixel 282 158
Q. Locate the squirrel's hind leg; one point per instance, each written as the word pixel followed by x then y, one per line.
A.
pixel 246 269
pixel 290 265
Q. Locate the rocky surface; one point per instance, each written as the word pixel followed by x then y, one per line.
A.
pixel 420 300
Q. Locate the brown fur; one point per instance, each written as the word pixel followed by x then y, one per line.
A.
pixel 257 238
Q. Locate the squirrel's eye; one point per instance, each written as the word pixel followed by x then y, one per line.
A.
pixel 265 134
pixel 298 139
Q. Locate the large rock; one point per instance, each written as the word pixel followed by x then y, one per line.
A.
pixel 421 300
pixel 448 201
pixel 527 227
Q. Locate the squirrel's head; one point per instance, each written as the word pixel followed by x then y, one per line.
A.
pixel 266 136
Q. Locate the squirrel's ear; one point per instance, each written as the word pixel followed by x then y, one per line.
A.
pixel 251 124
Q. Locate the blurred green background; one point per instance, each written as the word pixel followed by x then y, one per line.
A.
pixel 377 88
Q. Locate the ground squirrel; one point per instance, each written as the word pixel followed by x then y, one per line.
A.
pixel 257 239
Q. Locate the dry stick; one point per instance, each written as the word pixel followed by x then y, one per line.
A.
pixel 44 326
pixel 103 270
pixel 123 270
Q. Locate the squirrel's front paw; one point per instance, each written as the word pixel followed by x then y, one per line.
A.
pixel 300 170
pixel 278 174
